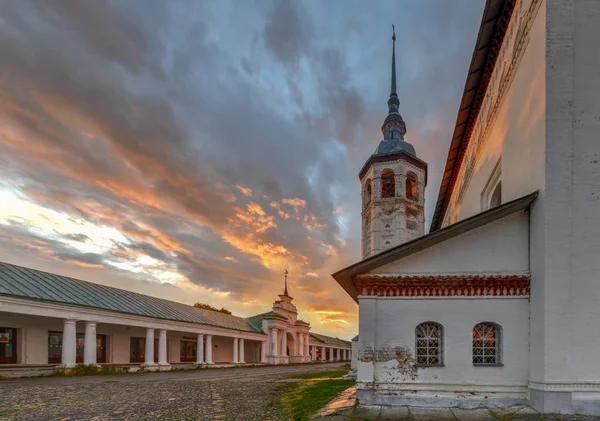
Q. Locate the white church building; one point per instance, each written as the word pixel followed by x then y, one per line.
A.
pixel 500 302
pixel 48 321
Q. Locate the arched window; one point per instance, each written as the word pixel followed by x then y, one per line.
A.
pixel 430 343
pixel 496 199
pixel 411 186
pixel 368 193
pixel 388 184
pixel 487 342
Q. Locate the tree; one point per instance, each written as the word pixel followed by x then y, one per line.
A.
pixel 211 308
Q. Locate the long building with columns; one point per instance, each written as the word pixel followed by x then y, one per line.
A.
pixel 49 320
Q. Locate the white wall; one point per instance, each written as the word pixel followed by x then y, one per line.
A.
pixel 517 131
pixel 395 320
pixel 567 300
pixel 499 246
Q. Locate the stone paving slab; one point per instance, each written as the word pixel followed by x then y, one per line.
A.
pixel 403 413
pixel 389 413
pixel 431 414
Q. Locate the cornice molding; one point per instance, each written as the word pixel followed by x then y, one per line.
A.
pixel 457 285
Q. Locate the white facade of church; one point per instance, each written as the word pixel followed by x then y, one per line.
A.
pixel 499 303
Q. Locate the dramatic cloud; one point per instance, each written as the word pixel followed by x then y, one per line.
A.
pixel 196 149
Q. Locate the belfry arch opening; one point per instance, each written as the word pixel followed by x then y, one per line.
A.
pixel 411 186
pixel 388 183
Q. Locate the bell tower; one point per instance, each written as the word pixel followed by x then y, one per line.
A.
pixel 393 184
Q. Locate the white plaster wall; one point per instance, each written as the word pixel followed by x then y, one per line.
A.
pixel 568 303
pixel 517 134
pixel 251 351
pixel 222 349
pixel 496 247
pixel 398 318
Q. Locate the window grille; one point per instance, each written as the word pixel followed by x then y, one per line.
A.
pixel 430 344
pixel 486 344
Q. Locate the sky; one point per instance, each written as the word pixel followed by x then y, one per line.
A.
pixel 194 150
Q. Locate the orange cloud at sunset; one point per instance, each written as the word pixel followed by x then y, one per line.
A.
pixel 164 153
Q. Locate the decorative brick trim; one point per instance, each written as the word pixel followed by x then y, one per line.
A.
pixel 442 285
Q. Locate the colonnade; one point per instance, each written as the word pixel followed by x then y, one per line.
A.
pixel 335 354
pixel 203 349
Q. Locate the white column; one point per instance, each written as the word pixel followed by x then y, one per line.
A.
pixel 208 353
pixel 162 347
pixel 90 351
pixel 200 349
pixel 69 343
pixel 313 353
pixel 337 354
pixel 299 344
pixel 241 358
pixel 284 343
pixel 322 354
pixel 263 352
pixel 149 349
pixel 274 342
pixel 306 345
pixel 235 351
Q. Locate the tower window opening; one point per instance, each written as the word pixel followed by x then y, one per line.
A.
pixel 388 184
pixel 368 193
pixel 411 187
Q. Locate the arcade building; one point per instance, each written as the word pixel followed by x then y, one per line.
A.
pixel 49 320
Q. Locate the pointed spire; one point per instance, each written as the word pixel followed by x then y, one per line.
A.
pixel 393 127
pixel 393 90
pixel 285 274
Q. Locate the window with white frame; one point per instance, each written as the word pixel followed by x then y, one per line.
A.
pixel 429 344
pixel 487 343
pixel 491 196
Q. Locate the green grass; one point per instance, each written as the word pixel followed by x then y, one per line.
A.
pixel 320 374
pixel 303 399
pixel 89 370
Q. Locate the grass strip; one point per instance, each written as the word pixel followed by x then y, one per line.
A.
pixel 320 374
pixel 303 399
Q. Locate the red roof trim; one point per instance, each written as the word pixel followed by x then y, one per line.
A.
pixel 442 285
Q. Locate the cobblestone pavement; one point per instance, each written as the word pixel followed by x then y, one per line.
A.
pixel 240 394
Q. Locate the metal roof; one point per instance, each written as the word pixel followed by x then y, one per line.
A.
pixel 494 22
pixel 30 284
pixel 345 277
pixel 328 340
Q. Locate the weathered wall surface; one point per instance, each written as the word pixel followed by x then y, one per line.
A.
pixel 511 124
pixel 497 247
pixel 390 363
pixel 566 295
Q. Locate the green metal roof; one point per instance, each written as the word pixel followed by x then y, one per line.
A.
pixel 30 284
pixel 328 340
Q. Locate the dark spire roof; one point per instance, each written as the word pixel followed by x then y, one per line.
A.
pixel 393 127
pixel 285 291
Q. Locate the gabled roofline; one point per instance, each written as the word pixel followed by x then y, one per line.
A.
pixel 494 23
pixel 345 276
